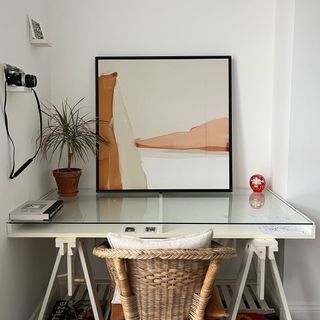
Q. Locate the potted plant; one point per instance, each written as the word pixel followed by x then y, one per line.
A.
pixel 70 133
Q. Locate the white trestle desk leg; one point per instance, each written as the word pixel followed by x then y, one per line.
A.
pixel 66 245
pixel 89 281
pixel 46 298
pixel 260 251
pixel 259 247
pixel 242 278
pixel 71 244
pixel 277 280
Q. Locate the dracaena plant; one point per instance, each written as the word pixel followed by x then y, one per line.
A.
pixel 69 131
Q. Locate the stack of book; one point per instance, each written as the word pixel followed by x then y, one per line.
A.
pixel 37 210
pixel 74 310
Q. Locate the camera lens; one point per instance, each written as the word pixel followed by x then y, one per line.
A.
pixel 30 80
pixel 14 79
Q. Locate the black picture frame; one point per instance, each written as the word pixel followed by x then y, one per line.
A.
pixel 227 59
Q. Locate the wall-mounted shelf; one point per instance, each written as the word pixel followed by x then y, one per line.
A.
pixel 18 89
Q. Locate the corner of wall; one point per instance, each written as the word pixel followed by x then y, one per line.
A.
pixel 283 52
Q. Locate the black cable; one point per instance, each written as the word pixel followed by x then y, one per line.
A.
pixel 40 120
pixel 7 128
pixel 14 173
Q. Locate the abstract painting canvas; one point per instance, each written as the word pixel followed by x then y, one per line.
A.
pixel 168 123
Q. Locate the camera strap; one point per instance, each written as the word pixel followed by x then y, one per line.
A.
pixel 14 173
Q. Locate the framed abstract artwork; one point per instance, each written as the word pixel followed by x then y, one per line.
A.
pixel 168 122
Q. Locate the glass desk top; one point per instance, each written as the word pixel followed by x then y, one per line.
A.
pixel 238 214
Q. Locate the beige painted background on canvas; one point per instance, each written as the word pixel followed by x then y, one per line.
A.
pixel 166 96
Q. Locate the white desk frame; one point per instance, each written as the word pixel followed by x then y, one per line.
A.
pixel 263 248
pixel 69 237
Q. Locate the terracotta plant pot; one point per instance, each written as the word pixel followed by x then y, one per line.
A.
pixel 67 181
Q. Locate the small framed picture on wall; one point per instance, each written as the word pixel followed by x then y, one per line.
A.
pixel 37 36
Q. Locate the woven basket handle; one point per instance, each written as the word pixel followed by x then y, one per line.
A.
pixel 124 286
pixel 208 281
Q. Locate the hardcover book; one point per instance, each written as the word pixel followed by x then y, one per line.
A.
pixel 36 210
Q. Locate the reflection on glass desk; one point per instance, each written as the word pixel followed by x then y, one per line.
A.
pixel 239 214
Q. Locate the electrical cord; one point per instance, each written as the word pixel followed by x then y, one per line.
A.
pixel 13 173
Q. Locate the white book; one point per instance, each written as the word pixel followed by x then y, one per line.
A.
pixel 36 210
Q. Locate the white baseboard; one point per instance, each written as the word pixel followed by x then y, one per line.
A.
pixel 298 310
pixel 35 313
pixel 305 312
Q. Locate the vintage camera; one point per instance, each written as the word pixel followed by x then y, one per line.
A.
pixel 17 77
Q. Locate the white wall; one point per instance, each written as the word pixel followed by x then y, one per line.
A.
pixel 295 143
pixel 302 258
pixel 275 89
pixel 81 30
pixel 24 264
pixel 283 46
